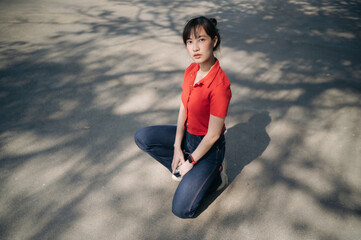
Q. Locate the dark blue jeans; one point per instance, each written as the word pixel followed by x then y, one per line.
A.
pixel 201 180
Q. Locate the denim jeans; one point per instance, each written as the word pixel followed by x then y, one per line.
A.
pixel 201 180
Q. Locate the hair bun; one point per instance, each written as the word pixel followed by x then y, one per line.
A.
pixel 214 21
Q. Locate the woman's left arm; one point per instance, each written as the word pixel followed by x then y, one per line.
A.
pixel 215 127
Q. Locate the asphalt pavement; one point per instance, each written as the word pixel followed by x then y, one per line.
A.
pixel 78 78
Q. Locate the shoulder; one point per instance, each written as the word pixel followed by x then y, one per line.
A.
pixel 221 79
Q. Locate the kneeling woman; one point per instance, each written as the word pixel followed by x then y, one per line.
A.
pixel 193 151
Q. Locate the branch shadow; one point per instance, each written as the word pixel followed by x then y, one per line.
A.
pixel 48 89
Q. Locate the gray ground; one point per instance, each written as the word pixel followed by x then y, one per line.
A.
pixel 78 78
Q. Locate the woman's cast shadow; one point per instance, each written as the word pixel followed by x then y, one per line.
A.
pixel 244 143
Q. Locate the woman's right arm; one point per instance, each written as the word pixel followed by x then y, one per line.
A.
pixel 178 153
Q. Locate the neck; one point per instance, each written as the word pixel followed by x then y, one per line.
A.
pixel 206 66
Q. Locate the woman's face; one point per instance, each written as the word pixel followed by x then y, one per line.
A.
pixel 200 46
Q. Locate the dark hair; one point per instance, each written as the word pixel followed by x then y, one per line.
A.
pixel 209 25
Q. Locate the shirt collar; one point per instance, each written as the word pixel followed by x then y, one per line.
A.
pixel 207 80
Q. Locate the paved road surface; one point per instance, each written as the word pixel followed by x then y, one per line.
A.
pixel 78 78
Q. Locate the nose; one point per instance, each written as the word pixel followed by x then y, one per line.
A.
pixel 195 46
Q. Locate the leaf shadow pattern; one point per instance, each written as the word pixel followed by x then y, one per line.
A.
pixel 245 142
pixel 299 60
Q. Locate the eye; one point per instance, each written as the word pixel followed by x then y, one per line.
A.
pixel 189 42
pixel 202 39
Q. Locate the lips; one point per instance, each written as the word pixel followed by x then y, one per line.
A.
pixel 197 56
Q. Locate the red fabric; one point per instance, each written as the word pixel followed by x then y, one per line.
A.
pixel 211 95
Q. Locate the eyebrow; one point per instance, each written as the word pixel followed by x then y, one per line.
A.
pixel 196 37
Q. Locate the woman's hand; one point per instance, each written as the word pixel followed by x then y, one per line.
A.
pixel 177 157
pixel 185 168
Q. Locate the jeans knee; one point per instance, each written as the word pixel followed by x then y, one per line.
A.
pixel 182 212
pixel 138 139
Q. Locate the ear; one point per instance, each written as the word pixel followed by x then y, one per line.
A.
pixel 215 40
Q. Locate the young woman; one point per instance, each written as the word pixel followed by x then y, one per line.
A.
pixel 193 151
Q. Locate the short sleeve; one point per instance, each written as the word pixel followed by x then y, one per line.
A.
pixel 220 97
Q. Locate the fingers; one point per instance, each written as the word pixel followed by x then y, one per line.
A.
pixel 174 165
pixel 182 159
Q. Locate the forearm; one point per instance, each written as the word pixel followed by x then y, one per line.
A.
pixel 214 131
pixel 204 146
pixel 215 127
pixel 180 127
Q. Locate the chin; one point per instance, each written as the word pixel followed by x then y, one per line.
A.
pixel 199 61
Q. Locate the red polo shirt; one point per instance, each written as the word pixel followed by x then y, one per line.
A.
pixel 211 95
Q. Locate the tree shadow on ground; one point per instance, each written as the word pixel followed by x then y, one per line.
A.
pixel 245 142
pixel 77 76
